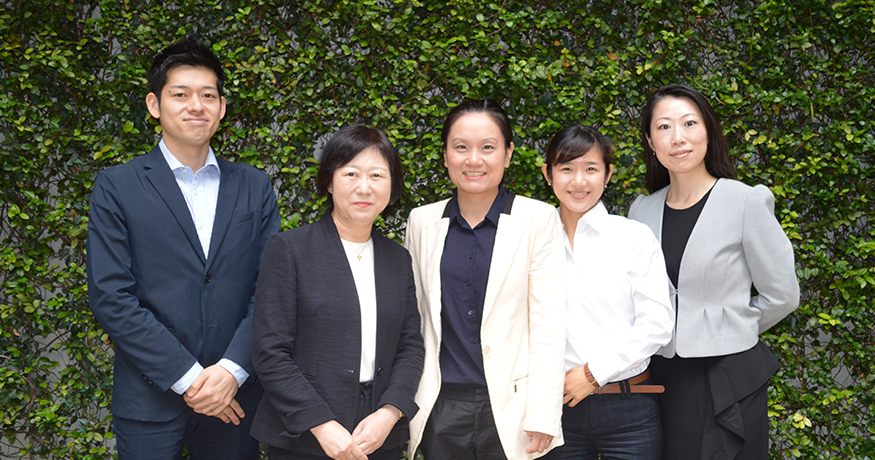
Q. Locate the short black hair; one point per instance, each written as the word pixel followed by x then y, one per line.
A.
pixel 717 160
pixel 188 51
pixel 488 106
pixel 346 144
pixel 575 141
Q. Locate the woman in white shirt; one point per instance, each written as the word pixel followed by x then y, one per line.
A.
pixel 618 309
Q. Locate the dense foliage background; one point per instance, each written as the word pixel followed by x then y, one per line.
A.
pixel 793 83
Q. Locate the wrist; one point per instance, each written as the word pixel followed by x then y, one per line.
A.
pixel 589 376
pixel 396 412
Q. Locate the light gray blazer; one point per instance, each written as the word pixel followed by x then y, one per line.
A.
pixel 735 243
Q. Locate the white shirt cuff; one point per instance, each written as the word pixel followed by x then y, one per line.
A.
pixel 186 380
pixel 235 370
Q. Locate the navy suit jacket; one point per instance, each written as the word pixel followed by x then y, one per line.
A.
pixel 161 301
pixel 307 337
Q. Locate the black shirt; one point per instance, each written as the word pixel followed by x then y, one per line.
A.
pixel 464 275
pixel 677 226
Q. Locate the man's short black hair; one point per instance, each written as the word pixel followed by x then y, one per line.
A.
pixel 188 51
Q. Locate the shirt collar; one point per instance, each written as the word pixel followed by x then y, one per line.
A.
pixel 495 210
pixel 596 218
pixel 175 164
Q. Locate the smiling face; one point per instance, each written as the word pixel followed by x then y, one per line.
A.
pixel 360 189
pixel 579 183
pixel 189 109
pixel 475 155
pixel 678 136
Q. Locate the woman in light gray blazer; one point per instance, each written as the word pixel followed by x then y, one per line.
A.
pixel 720 237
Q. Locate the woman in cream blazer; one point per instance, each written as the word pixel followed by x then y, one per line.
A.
pixel 522 330
pixel 720 237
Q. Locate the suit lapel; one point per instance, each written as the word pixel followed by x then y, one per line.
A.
pixel 708 223
pixel 229 186
pixel 659 213
pixel 435 238
pixel 382 281
pixel 158 173
pixel 345 292
pixel 507 243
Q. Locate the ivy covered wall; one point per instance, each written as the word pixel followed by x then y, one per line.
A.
pixel 794 83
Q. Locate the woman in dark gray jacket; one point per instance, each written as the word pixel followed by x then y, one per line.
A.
pixel 336 339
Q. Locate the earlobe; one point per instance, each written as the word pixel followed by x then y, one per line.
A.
pixel 610 173
pixel 650 143
pixel 153 105
pixel 222 114
pixel 509 156
pixel 544 172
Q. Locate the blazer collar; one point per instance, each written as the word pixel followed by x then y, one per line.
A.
pixel 507 242
pixel 507 239
pixel 229 188
pixel 384 278
pixel 158 172
pixel 707 225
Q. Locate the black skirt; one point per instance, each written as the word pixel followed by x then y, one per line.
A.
pixel 715 407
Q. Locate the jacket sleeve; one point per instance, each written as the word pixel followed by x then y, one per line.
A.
pixel 239 350
pixel 273 342
pixel 769 257
pixel 546 304
pixel 154 350
pixel 407 367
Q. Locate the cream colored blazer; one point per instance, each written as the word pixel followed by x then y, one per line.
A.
pixel 523 327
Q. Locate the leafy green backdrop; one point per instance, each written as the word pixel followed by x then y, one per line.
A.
pixel 793 83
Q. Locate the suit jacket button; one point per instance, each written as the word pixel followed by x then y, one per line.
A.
pixel 380 371
pixel 208 278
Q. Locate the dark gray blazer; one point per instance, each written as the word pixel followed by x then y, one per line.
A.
pixel 735 243
pixel 307 336
pixel 163 303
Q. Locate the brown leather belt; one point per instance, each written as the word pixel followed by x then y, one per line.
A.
pixel 629 385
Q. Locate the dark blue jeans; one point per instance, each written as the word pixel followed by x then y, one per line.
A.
pixel 619 427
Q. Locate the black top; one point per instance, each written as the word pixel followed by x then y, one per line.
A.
pixel 464 274
pixel 677 225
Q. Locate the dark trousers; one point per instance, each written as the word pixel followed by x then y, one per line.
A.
pixel 207 437
pixel 691 428
pixel 363 409
pixel 617 427
pixel 461 427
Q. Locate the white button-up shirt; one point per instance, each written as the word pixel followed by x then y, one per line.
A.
pixel 619 312
pixel 201 192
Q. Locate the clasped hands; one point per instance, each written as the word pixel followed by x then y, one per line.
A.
pixel 212 393
pixel 367 437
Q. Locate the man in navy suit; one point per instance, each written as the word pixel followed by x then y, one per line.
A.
pixel 175 240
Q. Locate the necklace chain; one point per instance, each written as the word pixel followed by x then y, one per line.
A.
pixel 358 254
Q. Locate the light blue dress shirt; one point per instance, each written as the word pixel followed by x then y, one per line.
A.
pixel 201 192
